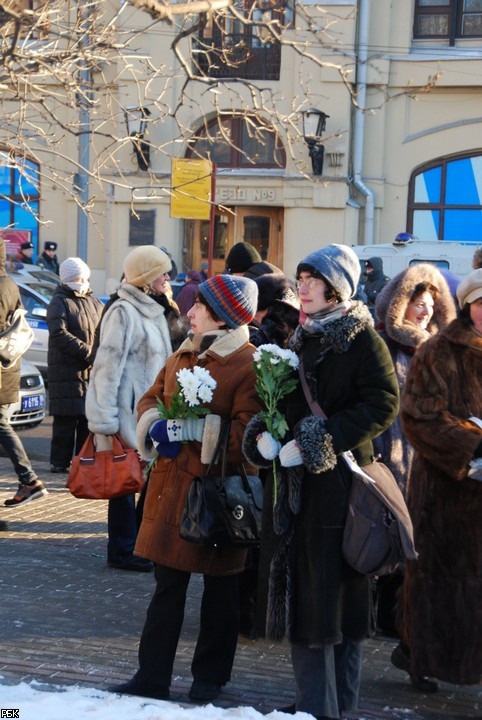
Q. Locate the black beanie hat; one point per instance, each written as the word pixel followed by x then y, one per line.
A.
pixel 271 287
pixel 241 256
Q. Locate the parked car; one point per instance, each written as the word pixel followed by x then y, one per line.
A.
pixel 29 410
pixel 32 271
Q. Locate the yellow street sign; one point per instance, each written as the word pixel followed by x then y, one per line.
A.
pixel 191 188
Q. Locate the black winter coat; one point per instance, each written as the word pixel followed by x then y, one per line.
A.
pixel 72 319
pixel 9 301
pixel 350 372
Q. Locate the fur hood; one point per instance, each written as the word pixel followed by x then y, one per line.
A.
pixel 392 303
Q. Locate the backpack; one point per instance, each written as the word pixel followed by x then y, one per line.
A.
pixel 378 534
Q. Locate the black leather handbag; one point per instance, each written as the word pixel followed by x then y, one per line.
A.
pixel 223 510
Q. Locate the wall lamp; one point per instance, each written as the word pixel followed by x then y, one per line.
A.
pixel 314 122
pixel 136 118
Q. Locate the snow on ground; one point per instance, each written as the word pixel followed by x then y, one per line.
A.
pixel 38 701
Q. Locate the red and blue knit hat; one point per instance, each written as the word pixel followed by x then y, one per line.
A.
pixel 233 298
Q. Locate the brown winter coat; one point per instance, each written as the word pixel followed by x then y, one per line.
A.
pixel 442 618
pixel 230 362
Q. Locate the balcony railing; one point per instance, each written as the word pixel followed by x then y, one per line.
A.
pixel 237 55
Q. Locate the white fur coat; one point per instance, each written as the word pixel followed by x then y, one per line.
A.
pixel 134 347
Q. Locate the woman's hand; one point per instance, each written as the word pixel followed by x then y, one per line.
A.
pixel 290 454
pixel 268 447
pixel 167 435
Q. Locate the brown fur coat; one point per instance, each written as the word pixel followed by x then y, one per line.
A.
pixel 442 618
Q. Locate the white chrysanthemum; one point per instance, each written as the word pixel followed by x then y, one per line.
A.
pixel 204 377
pixel 205 393
pixel 191 395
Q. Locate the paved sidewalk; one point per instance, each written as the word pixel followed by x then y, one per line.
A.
pixel 67 618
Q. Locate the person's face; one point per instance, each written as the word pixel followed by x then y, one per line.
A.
pixel 201 320
pixel 312 294
pixel 28 252
pixel 50 252
pixel 420 310
pixel 476 314
pixel 368 269
pixel 159 286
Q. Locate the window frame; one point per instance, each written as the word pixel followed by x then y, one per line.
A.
pixel 20 202
pixel 455 13
pixel 252 57
pixel 238 159
pixel 441 206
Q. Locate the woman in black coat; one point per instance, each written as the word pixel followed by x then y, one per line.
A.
pixel 72 317
pixel 322 604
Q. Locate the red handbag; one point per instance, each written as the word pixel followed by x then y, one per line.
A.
pixel 105 474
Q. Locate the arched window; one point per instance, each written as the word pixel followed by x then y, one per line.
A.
pixel 445 199
pixel 238 142
pixel 19 194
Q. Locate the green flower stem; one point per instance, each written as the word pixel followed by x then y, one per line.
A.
pixel 275 484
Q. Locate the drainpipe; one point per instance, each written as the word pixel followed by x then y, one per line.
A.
pixel 359 131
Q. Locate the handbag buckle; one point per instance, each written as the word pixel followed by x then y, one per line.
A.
pixel 238 512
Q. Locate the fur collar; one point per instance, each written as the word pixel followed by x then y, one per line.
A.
pixel 223 345
pixel 338 334
pixel 393 301
pixel 146 305
pixel 460 334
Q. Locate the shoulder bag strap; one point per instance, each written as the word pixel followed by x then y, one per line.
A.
pixel 314 405
pixel 317 410
pixel 221 446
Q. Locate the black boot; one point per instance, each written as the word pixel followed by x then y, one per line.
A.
pixel 400 657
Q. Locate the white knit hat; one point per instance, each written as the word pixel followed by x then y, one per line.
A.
pixel 145 264
pixel 72 269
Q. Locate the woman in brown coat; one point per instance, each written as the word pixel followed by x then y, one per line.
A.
pixel 442 418
pixel 218 342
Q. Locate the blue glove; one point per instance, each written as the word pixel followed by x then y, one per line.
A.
pixel 165 447
pixel 168 434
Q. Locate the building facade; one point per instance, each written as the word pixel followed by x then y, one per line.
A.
pixel 400 89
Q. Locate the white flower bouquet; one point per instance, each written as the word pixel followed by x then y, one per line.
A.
pixel 194 388
pixel 275 378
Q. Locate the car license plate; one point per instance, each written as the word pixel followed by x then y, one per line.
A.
pixel 32 402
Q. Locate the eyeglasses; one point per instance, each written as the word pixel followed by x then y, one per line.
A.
pixel 310 284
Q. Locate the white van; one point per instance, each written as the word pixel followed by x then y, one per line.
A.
pixel 396 256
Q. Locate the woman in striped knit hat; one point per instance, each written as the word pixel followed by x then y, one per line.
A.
pixel 218 342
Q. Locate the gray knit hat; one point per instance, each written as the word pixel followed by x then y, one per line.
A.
pixel 233 298
pixel 338 265
pixel 72 269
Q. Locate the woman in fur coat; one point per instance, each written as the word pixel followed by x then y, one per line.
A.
pixel 442 417
pixel 134 343
pixel 219 343
pixel 411 308
pixel 322 604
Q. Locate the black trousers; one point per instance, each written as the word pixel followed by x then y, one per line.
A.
pixel 69 433
pixel 218 634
